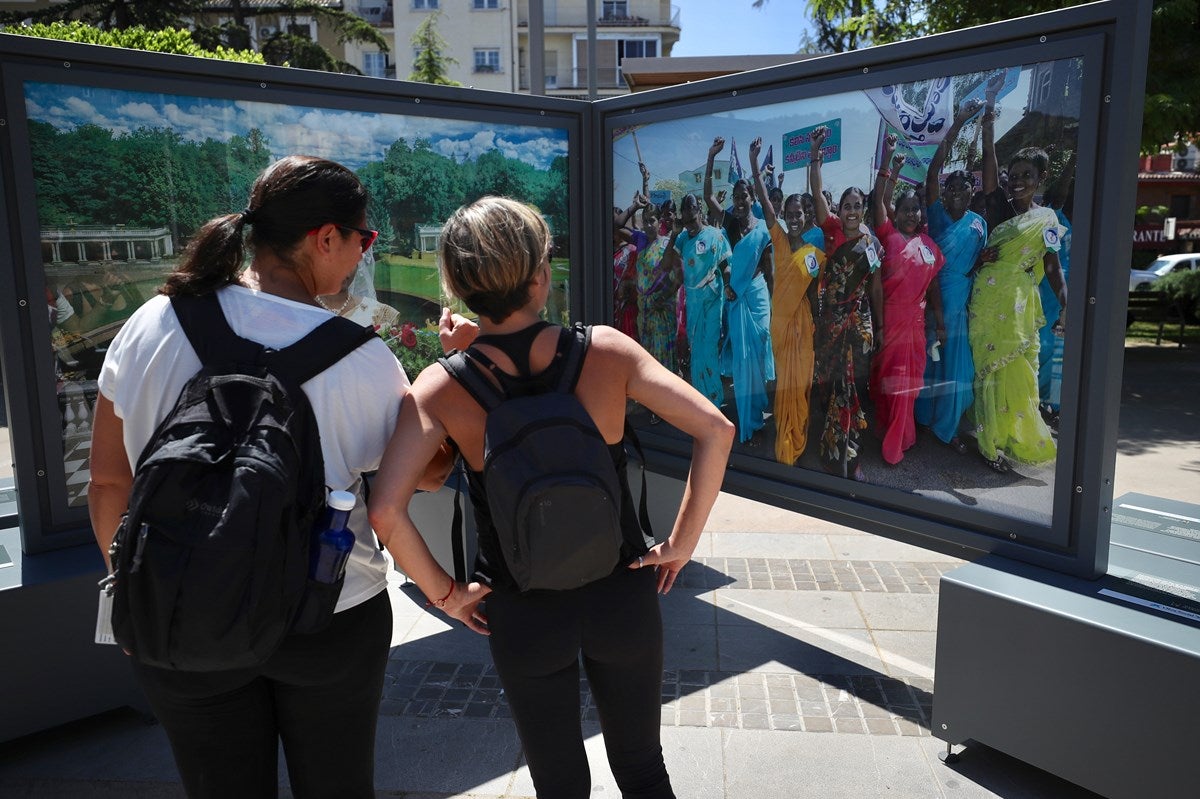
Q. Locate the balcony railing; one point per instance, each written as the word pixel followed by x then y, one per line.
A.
pixel 572 18
pixel 378 12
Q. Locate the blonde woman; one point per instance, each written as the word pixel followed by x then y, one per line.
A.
pixel 494 257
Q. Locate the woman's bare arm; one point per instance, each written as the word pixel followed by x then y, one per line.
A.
pixel 418 435
pixel 686 409
pixel 111 478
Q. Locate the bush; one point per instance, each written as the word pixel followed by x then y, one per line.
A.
pixel 414 347
pixel 169 40
pixel 1184 288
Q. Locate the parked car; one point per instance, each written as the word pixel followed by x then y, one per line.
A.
pixel 1143 279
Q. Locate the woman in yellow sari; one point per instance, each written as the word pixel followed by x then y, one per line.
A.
pixel 797 265
pixel 1005 311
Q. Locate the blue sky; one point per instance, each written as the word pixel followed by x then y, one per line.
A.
pixel 735 27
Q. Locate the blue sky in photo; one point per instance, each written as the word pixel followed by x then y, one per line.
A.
pixel 671 147
pixel 353 138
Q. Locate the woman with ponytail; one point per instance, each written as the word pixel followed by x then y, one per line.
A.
pixel 304 229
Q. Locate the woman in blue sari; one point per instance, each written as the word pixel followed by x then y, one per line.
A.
pixel 960 234
pixel 700 259
pixel 746 354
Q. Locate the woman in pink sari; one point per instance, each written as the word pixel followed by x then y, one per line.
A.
pixel 911 261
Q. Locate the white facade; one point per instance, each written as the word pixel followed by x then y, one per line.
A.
pixel 489 40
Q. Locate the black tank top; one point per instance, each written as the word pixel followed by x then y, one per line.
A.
pixel 490 568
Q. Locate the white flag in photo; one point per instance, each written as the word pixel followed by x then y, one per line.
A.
pixel 922 121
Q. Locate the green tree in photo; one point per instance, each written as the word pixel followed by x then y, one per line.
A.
pixel 247 156
pixel 431 62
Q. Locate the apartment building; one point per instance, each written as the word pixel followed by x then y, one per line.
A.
pixel 490 40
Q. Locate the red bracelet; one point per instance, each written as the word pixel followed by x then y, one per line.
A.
pixel 441 603
pixel 883 173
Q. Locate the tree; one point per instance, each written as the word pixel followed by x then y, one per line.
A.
pixel 110 14
pixel 168 40
pixel 431 62
pixel 286 47
pixel 1172 109
pixel 844 25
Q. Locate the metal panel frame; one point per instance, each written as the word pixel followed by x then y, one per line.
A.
pixel 1112 36
pixel 1113 39
pixel 45 519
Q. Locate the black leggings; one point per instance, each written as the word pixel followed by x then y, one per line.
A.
pixel 536 640
pixel 318 693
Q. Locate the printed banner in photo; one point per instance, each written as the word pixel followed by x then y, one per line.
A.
pixel 924 121
pixel 659 196
pixel 917 157
pixel 797 145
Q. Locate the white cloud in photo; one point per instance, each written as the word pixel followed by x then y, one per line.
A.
pixel 144 112
pixel 466 149
pixel 354 138
pixel 537 152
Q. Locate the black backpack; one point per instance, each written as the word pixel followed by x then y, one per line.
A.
pixel 211 560
pixel 553 491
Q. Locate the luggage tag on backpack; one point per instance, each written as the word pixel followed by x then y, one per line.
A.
pixel 104 630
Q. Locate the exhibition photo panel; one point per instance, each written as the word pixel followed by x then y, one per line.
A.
pixel 871 284
pixel 123 178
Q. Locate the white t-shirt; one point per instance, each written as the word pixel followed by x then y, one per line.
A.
pixel 355 401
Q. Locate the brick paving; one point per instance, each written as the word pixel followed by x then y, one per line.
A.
pixel 837 703
pixel 794 574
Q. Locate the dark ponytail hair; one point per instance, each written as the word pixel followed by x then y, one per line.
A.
pixel 289 198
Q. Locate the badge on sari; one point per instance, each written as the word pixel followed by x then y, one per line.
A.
pixel 811 264
pixel 1050 238
pixel 926 253
pixel 872 257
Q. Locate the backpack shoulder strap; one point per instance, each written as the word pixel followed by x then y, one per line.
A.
pixel 573 343
pixel 209 333
pixel 482 390
pixel 324 346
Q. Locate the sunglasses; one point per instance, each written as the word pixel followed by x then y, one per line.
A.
pixel 368 236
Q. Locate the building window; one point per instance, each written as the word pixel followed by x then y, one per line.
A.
pixel 424 4
pixel 614 9
pixel 481 5
pixel 375 65
pixel 487 60
pixel 636 48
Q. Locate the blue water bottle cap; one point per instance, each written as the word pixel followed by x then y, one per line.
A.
pixel 342 500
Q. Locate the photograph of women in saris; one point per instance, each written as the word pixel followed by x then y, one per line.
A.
pixel 863 322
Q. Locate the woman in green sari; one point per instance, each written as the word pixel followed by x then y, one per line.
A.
pixel 656 289
pixel 1005 312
